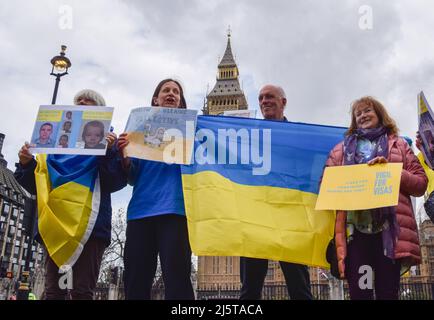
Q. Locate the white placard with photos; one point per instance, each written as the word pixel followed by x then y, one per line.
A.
pixel 61 129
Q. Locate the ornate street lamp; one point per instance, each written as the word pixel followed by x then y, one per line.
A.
pixel 61 64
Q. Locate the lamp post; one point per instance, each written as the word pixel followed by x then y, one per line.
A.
pixel 60 64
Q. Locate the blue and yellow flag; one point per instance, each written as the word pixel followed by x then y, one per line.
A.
pixel 68 194
pixel 252 188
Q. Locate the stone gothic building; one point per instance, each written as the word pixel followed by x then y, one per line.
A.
pixel 227 94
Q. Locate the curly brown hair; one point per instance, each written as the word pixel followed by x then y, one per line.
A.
pixel 383 117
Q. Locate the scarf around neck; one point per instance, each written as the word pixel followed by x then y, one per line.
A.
pixel 378 135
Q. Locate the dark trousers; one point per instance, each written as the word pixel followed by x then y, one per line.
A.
pixel 253 272
pixel 166 236
pixel 367 250
pixel 85 274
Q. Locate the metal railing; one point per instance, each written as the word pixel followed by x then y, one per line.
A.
pixel 408 291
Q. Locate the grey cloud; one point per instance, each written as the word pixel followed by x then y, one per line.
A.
pixel 314 49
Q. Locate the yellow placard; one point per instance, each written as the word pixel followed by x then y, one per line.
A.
pixel 360 187
pixel 49 115
pixel 97 115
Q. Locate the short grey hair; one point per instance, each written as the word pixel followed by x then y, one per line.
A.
pixel 281 91
pixel 91 95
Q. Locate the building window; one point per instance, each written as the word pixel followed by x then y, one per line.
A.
pixel 215 265
pixel 270 274
pixel 6 208
pixel 229 266
pixel 12 230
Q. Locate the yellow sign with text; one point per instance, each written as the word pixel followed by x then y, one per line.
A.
pixel 360 187
pixel 97 115
pixel 49 116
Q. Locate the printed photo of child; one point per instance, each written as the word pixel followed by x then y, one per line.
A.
pixel 93 135
pixel 63 141
pixel 66 127
pixel 68 115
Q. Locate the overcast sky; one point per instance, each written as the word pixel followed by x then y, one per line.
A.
pixel 324 53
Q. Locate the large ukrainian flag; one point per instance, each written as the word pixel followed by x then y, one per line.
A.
pixel 68 194
pixel 232 212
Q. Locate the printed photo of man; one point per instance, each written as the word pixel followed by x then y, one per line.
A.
pixel 45 140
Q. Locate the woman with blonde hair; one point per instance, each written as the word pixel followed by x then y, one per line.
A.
pixel 383 239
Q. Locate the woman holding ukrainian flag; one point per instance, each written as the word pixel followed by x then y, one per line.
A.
pixel 157 225
pixel 384 239
pixel 74 210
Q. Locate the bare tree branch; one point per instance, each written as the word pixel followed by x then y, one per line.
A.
pixel 114 253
